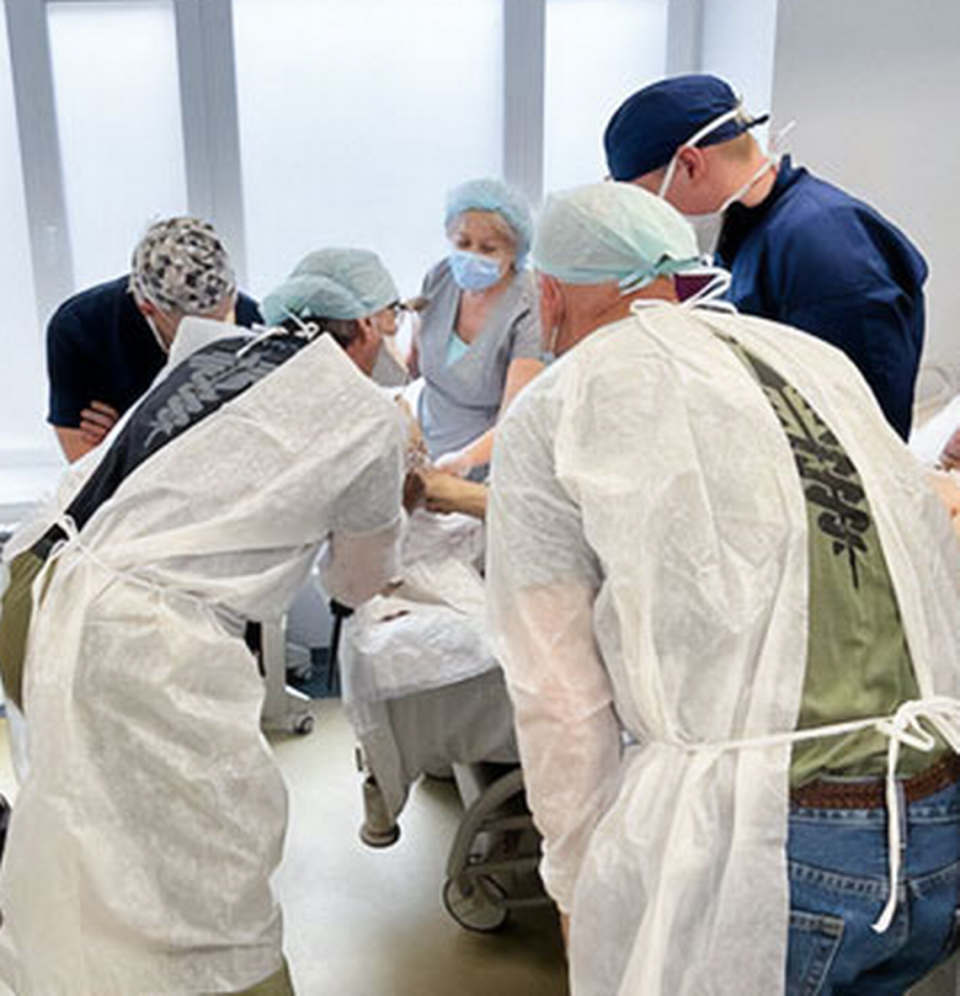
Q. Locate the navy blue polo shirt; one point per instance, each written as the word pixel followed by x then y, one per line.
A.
pixel 814 257
pixel 100 348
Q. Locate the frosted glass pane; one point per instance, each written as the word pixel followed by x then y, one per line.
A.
pixel 22 377
pixel 598 52
pixel 356 116
pixel 118 113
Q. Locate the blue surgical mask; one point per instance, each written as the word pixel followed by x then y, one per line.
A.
pixel 473 272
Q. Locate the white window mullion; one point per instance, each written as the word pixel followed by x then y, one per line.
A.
pixel 40 152
pixel 684 37
pixel 524 34
pixel 208 96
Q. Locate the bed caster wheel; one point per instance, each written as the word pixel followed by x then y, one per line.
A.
pixel 303 726
pixel 481 909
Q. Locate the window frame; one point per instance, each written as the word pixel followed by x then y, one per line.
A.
pixel 210 119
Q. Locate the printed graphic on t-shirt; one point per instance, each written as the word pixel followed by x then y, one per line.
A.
pixel 830 479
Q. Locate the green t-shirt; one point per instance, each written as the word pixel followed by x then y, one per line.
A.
pixel 858 660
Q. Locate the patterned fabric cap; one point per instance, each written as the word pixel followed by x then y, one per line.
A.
pixel 181 265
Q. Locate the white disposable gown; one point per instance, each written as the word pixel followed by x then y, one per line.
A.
pixel 647 579
pixel 143 839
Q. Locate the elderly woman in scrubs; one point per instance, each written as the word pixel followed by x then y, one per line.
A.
pixel 478 343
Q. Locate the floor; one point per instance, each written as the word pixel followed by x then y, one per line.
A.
pixel 361 922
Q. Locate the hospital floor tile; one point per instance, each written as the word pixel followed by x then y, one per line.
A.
pixel 361 922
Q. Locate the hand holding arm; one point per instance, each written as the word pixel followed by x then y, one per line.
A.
pixel 478 453
pixel 445 494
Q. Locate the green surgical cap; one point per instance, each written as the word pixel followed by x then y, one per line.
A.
pixel 612 231
pixel 332 283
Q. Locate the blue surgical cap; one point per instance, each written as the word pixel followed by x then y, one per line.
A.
pixel 494 195
pixel 332 283
pixel 613 232
pixel 648 128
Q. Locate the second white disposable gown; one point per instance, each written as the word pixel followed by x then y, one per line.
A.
pixel 647 575
pixel 143 839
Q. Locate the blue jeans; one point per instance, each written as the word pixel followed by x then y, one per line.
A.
pixel 838 869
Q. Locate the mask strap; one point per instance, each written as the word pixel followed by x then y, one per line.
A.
pixel 711 294
pixel 769 162
pixel 691 142
pixel 774 154
pixel 309 330
pixel 635 281
pixel 778 141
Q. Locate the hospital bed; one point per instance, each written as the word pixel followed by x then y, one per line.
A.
pixel 425 695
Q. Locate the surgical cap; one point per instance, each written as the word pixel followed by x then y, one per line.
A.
pixel 493 195
pixel 332 283
pixel 181 265
pixel 648 128
pixel 612 231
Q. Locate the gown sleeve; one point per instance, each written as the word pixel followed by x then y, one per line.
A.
pixel 542 582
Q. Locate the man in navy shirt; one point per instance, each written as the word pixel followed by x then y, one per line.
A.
pixel 106 344
pixel 800 251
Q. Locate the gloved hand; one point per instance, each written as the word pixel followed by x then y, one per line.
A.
pixel 455 464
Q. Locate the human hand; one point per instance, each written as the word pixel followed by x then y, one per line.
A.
pixel 444 494
pixel 440 491
pixel 96 421
pixel 948 491
pixel 455 464
pixel 950 457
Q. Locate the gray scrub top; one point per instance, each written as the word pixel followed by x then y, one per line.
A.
pixel 461 400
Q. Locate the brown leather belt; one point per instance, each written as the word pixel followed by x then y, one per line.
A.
pixel 872 795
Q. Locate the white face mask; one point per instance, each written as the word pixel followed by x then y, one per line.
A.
pixel 709 225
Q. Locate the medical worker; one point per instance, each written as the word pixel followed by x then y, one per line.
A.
pixel 142 843
pixel 349 293
pixel 106 344
pixel 800 250
pixel 727 604
pixel 478 342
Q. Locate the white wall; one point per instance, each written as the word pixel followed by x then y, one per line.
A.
pixel 737 43
pixel 873 85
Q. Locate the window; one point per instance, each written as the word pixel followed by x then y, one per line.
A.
pixel 121 140
pixel 355 117
pixel 22 377
pixel 598 52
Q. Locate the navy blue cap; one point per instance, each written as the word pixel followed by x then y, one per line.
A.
pixel 650 126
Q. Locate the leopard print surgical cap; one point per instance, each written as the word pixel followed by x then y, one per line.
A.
pixel 181 265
